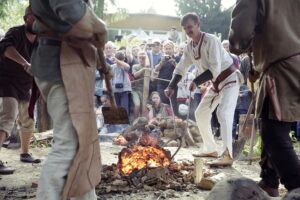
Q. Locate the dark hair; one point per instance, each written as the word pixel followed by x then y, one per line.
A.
pixel 187 16
pixel 122 48
pixel 120 56
pixel 154 93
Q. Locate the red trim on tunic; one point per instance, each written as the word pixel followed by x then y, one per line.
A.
pixel 199 48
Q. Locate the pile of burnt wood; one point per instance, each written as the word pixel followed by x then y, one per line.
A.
pixel 177 176
pixel 167 130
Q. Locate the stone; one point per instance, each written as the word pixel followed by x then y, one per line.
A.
pixel 237 189
pixel 292 195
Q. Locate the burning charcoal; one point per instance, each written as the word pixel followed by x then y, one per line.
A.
pixel 175 167
pixel 139 157
pixel 149 140
pixel 120 140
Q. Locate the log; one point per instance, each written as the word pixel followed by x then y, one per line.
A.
pixel 198 170
pixel 147 75
pixel 189 139
pixel 209 182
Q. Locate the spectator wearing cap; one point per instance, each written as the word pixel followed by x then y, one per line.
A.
pixel 155 54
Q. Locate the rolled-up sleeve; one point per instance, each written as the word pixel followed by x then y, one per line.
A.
pixel 70 11
pixel 184 63
pixel 11 38
pixel 243 24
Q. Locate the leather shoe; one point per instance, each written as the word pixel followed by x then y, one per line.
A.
pixel 213 154
pixel 273 192
pixel 225 161
pixel 26 157
pixel 5 170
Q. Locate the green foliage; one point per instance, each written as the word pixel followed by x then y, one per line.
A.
pixel 293 137
pixel 100 7
pixel 41 143
pixel 124 42
pixel 256 149
pixel 3 4
pixel 213 18
pixel 11 14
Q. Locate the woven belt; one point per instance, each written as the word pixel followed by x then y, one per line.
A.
pixel 223 75
pixel 49 41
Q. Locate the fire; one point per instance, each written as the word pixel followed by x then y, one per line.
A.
pixel 139 157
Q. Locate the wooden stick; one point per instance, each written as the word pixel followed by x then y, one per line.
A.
pixel 198 170
pixel 253 131
pixel 146 89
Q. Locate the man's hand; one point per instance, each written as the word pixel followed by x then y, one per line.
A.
pixel 26 66
pixel 193 86
pixel 169 92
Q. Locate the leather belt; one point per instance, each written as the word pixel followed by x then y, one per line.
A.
pixel 222 76
pixel 49 41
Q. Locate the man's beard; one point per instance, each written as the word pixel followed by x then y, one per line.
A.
pixel 28 28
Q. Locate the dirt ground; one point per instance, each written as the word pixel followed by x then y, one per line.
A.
pixel 22 184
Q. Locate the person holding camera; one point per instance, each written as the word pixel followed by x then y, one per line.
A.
pixel 164 70
pixel 120 81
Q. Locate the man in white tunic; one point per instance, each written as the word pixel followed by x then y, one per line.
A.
pixel 205 51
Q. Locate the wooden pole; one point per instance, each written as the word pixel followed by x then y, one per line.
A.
pixel 147 76
pixel 198 170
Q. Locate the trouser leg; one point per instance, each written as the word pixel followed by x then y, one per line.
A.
pixel 225 113
pixel 279 158
pixel 65 143
pixel 203 117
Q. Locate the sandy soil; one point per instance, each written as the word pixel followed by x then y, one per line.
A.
pixel 22 184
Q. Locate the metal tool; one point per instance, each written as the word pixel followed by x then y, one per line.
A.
pixel 113 114
pixel 186 130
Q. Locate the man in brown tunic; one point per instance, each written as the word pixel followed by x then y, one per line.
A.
pixel 271 29
pixel 64 64
pixel 15 85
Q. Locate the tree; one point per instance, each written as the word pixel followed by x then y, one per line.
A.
pixel 3 4
pixel 11 13
pixel 213 18
pixel 99 7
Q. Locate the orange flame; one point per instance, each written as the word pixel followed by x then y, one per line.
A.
pixel 139 157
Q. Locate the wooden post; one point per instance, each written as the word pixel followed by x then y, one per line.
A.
pixel 43 119
pixel 198 170
pixel 147 76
